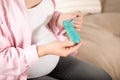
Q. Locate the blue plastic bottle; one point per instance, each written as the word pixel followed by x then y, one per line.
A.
pixel 71 31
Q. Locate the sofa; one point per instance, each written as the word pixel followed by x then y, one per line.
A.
pixel 100 34
pixel 101 37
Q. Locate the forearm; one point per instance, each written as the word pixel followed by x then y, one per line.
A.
pixel 42 50
pixel 15 60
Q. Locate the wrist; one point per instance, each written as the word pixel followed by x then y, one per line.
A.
pixel 42 51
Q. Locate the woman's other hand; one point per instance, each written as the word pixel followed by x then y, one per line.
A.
pixel 70 16
pixel 58 48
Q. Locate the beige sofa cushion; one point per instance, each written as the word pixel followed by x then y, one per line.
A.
pixel 111 6
pixel 101 37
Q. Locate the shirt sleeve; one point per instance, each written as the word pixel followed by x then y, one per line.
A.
pixel 15 60
pixel 59 34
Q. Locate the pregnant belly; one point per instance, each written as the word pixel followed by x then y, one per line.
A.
pixel 46 63
pixel 43 66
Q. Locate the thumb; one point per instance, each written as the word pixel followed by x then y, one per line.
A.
pixel 78 14
pixel 67 43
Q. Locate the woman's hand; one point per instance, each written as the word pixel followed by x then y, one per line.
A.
pixel 58 48
pixel 70 16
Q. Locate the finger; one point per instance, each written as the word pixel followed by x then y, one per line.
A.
pixel 73 48
pixel 77 14
pixel 77 26
pixel 79 18
pixel 78 29
pixel 67 43
pixel 74 15
pixel 78 21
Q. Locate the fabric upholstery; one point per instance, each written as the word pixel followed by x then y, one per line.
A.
pixel 101 37
pixel 111 5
